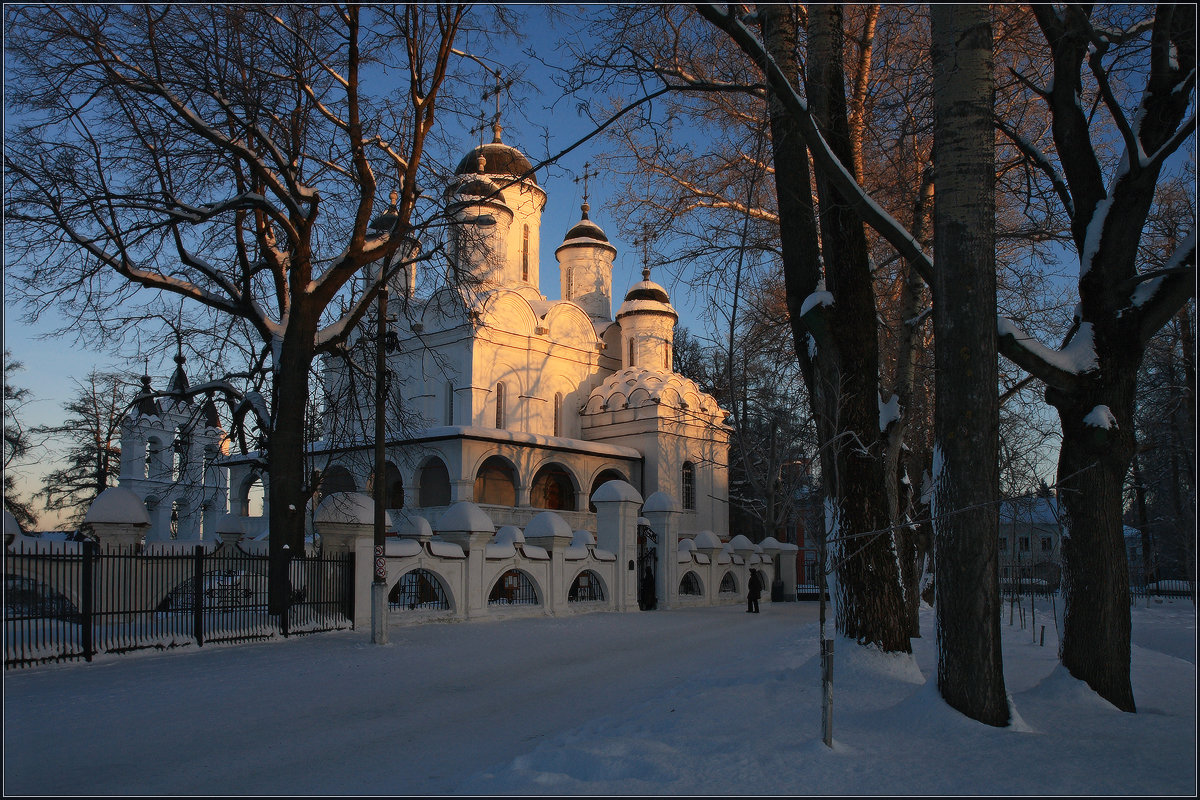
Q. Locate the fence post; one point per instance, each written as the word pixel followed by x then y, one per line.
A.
pixel 348 585
pixel 86 591
pixel 198 597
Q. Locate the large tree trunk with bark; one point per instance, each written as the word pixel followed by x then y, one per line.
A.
pixel 1096 453
pixel 837 344
pixel 966 520
pixel 286 450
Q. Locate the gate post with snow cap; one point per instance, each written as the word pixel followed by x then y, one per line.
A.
pixel 346 523
pixel 662 512
pixel 617 506
pixel 468 526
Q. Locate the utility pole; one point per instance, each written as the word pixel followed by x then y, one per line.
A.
pixel 379 584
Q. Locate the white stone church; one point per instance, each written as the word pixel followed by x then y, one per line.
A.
pixel 541 454
pixel 520 403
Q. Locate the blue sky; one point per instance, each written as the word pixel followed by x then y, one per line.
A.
pixel 50 363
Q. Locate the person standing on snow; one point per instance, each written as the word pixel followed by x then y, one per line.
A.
pixel 754 593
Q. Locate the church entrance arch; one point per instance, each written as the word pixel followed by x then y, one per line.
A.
pixel 496 483
pixel 553 488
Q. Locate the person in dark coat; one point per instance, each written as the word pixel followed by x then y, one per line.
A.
pixel 754 593
pixel 649 595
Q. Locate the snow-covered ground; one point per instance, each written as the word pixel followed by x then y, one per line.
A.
pixel 693 701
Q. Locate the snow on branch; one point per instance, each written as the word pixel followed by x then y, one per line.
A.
pixel 1059 368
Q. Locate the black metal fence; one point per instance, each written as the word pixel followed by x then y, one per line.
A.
pixel 69 602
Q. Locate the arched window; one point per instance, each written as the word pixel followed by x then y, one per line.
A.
pixel 690 584
pixel 552 488
pixel 570 283
pixel 255 498
pixel 393 486
pixel 434 485
pixel 179 453
pixel 689 486
pixel 154 458
pixel 500 405
pixel 337 479
pixel 449 403
pixel 525 255
pixel 175 520
pixel 513 588
pixel 728 584
pixel 631 353
pixel 558 431
pixel 586 588
pixel 496 483
pixel 418 589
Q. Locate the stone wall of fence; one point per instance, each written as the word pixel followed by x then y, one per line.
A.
pixel 75 599
pixel 468 568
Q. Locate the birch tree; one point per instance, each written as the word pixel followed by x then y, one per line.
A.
pixel 970 668
pixel 233 156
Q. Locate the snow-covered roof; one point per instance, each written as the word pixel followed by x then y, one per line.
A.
pixel 1029 511
pixel 117 505
pixel 660 501
pixel 466 516
pixel 616 492
pixel 547 523
pixel 635 387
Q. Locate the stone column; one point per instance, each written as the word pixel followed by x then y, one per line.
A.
pixel 466 525
pixel 552 533
pixel 121 535
pixel 663 514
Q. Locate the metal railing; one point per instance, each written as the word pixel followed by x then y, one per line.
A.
pixel 68 603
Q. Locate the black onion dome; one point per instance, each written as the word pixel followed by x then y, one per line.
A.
pixel 647 290
pixel 145 399
pixel 501 159
pixel 586 229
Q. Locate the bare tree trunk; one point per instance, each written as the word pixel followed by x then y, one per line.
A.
pixel 967 486
pixel 842 370
pixel 286 449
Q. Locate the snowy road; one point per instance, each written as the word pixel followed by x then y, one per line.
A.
pixel 333 714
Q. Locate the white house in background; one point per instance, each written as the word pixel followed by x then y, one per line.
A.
pixel 1030 541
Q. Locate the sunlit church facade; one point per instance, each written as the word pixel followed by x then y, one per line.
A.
pixel 501 396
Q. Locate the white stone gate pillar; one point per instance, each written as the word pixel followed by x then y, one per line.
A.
pixel 663 514
pixel 616 531
pixel 468 526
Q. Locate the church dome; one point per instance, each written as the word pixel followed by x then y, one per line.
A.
pixel 500 158
pixel 586 229
pixel 646 296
